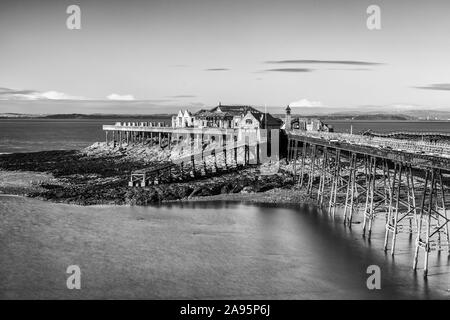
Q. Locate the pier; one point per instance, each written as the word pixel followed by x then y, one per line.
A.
pixel 232 149
pixel 404 182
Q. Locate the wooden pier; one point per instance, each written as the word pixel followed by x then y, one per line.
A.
pixel 405 182
pixel 199 160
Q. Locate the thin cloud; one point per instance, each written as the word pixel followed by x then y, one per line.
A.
pixel 217 69
pixel 341 62
pixel 12 94
pixel 436 86
pixel 350 69
pixel 5 91
pixel 305 103
pixel 124 97
pixel 183 96
pixel 289 70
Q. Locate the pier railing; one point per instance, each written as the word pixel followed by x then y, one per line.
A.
pixel 411 146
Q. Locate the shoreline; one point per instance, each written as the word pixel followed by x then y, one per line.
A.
pixel 274 196
pixel 99 175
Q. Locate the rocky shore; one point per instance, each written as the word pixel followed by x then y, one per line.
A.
pixel 99 175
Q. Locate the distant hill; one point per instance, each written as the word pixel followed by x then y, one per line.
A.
pixel 84 116
pixel 367 117
pixel 374 112
pixel 107 116
pixel 324 113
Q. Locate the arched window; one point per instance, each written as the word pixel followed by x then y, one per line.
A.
pixel 248 121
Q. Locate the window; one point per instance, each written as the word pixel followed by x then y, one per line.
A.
pixel 248 121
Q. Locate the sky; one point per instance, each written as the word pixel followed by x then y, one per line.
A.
pixel 141 56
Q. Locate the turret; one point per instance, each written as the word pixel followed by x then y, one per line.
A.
pixel 288 120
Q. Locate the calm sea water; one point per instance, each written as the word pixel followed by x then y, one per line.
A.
pixel 201 250
pixel 24 135
pixel 37 135
pixel 390 126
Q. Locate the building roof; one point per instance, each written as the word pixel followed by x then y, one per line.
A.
pixel 235 110
pixel 264 118
pixel 229 111
pixel 202 114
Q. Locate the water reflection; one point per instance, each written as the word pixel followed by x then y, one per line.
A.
pixel 204 250
pixel 325 249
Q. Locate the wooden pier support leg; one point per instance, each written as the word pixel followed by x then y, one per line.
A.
pixel 428 227
pixel 325 180
pixel 420 220
pixel 302 169
pixel 322 181
pixel 312 169
pixel 390 219
pixel 347 193
pixel 444 211
pixel 257 150
pixel 293 148
pixel 397 200
pixel 334 183
pixel 368 162
pixel 319 187
pixel 216 169
pixel 370 193
pixel 387 188
pixel 296 144
pixel 130 183
pixel 412 207
pixel 372 209
pixel 235 150
pixel 350 194
pixel 224 148
pixel 193 165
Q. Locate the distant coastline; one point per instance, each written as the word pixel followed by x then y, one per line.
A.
pixel 350 115
pixel 66 116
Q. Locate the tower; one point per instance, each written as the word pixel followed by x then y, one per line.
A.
pixel 287 120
